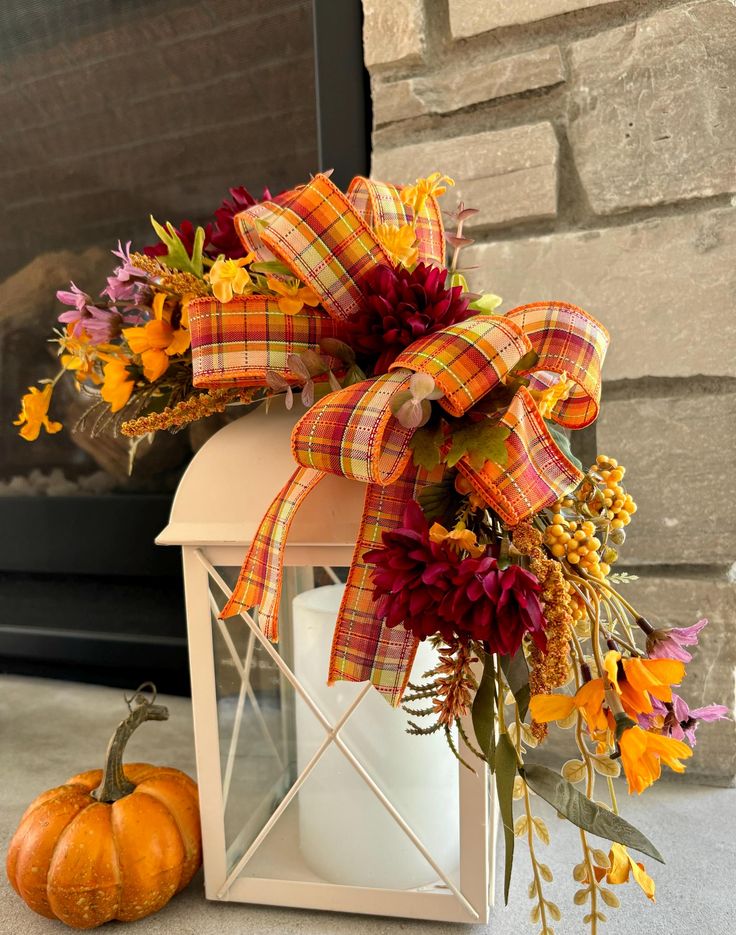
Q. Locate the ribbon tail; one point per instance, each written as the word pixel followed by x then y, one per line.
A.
pixel 363 647
pixel 259 582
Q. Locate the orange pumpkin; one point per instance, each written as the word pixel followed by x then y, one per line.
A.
pixel 86 857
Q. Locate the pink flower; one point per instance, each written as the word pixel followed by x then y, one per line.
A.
pixel 669 643
pixel 74 297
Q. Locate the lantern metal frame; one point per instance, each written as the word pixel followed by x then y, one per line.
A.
pixel 467 900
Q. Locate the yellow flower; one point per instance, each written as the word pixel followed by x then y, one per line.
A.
pixel 621 866
pixel 118 384
pixel 415 196
pixel 547 399
pixel 229 278
pixel 34 413
pixel 458 538
pixel 291 296
pixel 642 755
pixel 79 356
pixel 158 339
pixel 399 242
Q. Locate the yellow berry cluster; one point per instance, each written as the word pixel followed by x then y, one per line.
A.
pixel 576 543
pixel 618 506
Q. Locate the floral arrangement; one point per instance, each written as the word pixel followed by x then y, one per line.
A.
pixel 481 532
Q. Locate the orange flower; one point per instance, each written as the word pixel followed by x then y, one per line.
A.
pixel 158 339
pixel 118 384
pixel 291 296
pixel 34 413
pixel 458 538
pixel 643 680
pixel 642 755
pixel 621 866
pixel 588 700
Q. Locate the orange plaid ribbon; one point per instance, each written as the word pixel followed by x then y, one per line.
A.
pixel 324 237
pixel 353 433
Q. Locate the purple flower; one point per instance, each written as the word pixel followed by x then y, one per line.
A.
pixel 669 643
pixel 678 720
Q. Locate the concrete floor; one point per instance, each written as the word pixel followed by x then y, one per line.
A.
pixel 50 730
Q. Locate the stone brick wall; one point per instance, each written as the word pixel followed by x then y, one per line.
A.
pixel 598 140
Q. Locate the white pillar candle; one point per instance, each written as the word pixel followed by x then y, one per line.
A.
pixel 346 835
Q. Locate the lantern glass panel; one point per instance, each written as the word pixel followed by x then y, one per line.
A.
pixel 368 806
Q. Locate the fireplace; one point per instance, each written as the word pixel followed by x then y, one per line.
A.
pixel 111 112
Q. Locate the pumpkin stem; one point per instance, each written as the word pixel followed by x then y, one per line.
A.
pixel 114 784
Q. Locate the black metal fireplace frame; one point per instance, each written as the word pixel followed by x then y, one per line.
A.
pixel 110 610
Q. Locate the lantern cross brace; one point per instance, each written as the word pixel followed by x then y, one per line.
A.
pixel 332 737
pixel 246 691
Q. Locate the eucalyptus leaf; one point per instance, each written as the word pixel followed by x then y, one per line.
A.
pixel 483 711
pixel 517 676
pixel 579 810
pixel 506 764
pixel 563 442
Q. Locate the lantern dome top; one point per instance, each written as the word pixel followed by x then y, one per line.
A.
pixel 233 478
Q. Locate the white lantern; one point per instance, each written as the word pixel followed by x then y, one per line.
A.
pixel 311 796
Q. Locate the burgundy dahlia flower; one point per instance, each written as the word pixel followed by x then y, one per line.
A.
pixel 401 306
pixel 223 238
pixel 428 588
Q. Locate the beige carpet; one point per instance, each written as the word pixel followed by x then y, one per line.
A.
pixel 50 730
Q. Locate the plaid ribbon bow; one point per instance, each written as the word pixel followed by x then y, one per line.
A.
pixel 318 233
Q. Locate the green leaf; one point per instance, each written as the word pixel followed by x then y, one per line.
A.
pixel 353 375
pixel 506 764
pixel 517 676
pixel 271 267
pixel 526 363
pixel 562 441
pixel 483 711
pixel 578 809
pixel 480 442
pixel 426 443
pixel 457 279
pixel 486 304
pixel 177 256
pixel 440 501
